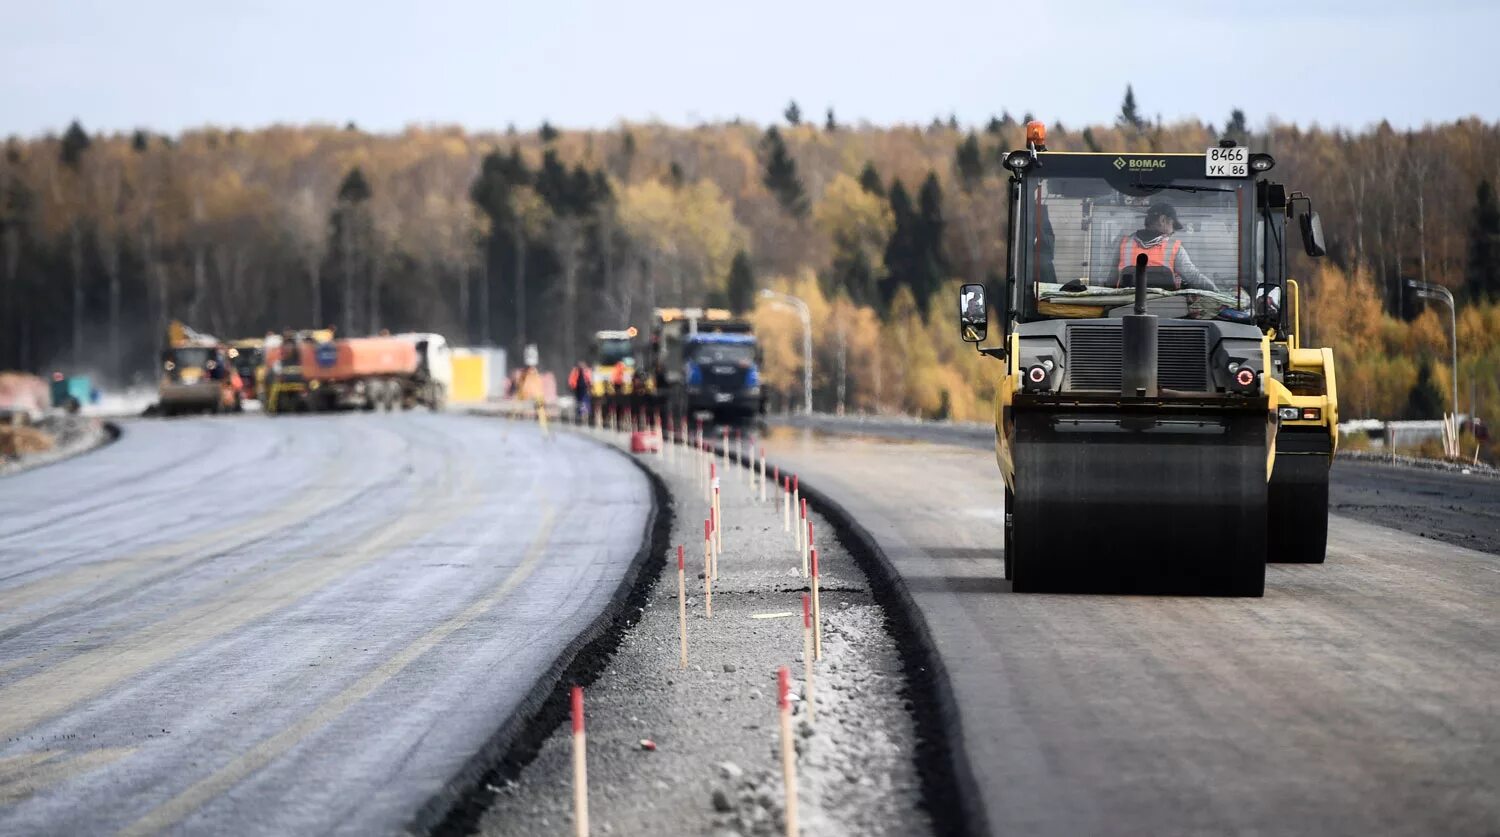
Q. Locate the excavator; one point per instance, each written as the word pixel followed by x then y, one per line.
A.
pixel 1160 427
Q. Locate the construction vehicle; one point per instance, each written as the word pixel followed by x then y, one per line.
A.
pixel 434 376
pixel 703 361
pixel 613 369
pixel 197 375
pixel 286 388
pixel 1159 426
pixel 318 372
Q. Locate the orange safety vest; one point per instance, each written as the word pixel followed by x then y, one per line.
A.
pixel 618 379
pixel 1161 254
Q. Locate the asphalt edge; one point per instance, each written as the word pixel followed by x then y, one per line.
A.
pixel 459 806
pixel 950 792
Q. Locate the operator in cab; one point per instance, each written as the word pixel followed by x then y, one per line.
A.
pixel 1162 250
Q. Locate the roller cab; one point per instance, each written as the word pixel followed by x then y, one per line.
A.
pixel 1145 358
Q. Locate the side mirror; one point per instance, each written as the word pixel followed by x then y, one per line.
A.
pixel 1312 235
pixel 973 314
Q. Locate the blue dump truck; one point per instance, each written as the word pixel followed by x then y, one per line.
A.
pixel 704 361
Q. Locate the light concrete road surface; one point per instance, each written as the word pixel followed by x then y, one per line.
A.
pixel 1358 697
pixel 289 626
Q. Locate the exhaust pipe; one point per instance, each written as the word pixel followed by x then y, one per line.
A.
pixel 1138 370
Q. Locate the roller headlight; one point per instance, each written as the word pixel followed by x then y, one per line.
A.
pixel 1244 381
pixel 1288 413
pixel 1018 160
pixel 1036 378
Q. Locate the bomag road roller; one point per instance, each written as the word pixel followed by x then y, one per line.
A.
pixel 1159 427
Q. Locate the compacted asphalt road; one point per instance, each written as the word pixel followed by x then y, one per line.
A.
pixel 1361 696
pixel 288 626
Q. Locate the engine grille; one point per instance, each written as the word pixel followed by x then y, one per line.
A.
pixel 1096 356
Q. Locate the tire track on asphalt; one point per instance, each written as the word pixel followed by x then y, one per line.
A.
pixel 94 671
pixel 184 804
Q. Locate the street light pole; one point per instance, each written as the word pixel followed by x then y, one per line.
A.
pixel 794 302
pixel 1427 290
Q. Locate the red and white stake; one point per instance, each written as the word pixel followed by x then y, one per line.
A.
pixel 762 475
pixel 580 768
pixel 802 544
pixel 817 611
pixel 708 569
pixel 682 606
pixel 713 477
pixel 807 657
pixel 788 748
pixel 796 496
pixel 718 530
pixel 786 504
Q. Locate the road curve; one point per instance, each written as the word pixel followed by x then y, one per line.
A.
pixel 298 625
pixel 1357 697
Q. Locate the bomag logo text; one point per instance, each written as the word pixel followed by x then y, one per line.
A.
pixel 1139 165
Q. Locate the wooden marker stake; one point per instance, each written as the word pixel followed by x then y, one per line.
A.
pixel 817 611
pixel 807 657
pixel 796 494
pixel 802 544
pixel 708 569
pixel 786 504
pixel 713 477
pixel 718 530
pixel 788 748
pixel 682 606
pixel 580 768
pixel 762 475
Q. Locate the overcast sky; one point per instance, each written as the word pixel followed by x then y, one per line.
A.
pixel 168 65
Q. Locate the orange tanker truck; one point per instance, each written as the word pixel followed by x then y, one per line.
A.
pixel 356 373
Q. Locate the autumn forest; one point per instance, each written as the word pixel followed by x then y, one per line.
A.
pixel 542 236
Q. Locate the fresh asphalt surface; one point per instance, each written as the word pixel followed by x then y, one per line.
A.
pixel 1358 697
pixel 287 626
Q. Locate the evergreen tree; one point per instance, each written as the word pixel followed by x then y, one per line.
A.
pixel 350 245
pixel 932 263
pixel 994 127
pixel 1236 128
pixel 853 273
pixel 1088 140
pixel 969 162
pixel 675 175
pixel 741 284
pixel 1130 114
pixel 781 175
pixel 1424 401
pixel 831 124
pixel 140 141
pixel 952 121
pixel 869 180
pixel 1482 280
pixel 903 250
pixel 793 113
pixel 547 133
pixel 74 142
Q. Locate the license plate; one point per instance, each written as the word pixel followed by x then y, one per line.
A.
pixel 723 397
pixel 723 370
pixel 1227 162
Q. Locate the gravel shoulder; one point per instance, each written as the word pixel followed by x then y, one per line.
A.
pixel 715 767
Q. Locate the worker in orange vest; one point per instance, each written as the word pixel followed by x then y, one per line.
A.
pixel 1161 249
pixel 580 381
